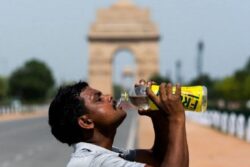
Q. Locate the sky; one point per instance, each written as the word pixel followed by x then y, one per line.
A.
pixel 55 32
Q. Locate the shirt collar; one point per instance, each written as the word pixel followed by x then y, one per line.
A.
pixel 92 147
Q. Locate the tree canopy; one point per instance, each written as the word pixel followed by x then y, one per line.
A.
pixel 239 83
pixel 233 88
pixel 31 82
pixel 3 88
pixel 159 79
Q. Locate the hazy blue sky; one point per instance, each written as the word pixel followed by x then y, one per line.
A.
pixel 55 32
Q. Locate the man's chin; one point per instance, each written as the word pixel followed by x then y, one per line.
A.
pixel 122 116
pixel 121 111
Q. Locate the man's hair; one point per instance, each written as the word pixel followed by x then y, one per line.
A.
pixel 64 111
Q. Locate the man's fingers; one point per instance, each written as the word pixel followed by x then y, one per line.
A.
pixel 153 97
pixel 149 83
pixel 163 92
pixel 146 83
pixel 169 89
pixel 178 90
pixel 142 82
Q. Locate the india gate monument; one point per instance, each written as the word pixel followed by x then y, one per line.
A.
pixel 123 26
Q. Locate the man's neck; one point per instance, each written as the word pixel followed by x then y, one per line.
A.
pixel 105 141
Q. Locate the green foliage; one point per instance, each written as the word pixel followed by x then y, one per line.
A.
pixel 247 66
pixel 117 89
pixel 205 80
pixel 159 79
pixel 3 88
pixel 202 80
pixel 246 88
pixel 234 88
pixel 241 75
pixel 228 89
pixel 31 82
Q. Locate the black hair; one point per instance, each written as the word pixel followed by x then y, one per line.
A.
pixel 64 111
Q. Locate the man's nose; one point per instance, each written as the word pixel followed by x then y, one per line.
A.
pixel 109 98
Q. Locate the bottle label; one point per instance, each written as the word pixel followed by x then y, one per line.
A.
pixel 194 98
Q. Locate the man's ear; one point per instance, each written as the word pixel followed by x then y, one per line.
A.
pixel 85 122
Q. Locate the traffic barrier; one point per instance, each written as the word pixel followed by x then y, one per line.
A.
pixel 248 130
pixel 240 126
pixel 224 122
pixel 231 123
pixel 21 109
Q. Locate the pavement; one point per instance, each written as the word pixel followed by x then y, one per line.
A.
pixel 26 140
pixel 207 147
pixel 28 143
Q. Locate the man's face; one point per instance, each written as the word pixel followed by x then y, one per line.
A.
pixel 102 109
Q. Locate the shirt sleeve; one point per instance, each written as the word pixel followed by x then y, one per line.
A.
pixel 125 154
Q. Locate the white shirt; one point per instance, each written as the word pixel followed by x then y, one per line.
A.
pixel 90 155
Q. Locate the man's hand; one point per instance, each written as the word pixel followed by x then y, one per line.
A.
pixel 176 153
pixel 149 112
pixel 170 145
pixel 168 102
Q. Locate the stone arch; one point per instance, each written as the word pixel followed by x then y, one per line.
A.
pixel 127 66
pixel 123 26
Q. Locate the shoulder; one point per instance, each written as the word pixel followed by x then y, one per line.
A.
pixel 125 154
pixel 87 155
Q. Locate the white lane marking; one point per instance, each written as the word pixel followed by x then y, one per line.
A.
pixel 132 134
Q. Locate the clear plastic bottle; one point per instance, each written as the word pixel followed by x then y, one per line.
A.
pixel 194 98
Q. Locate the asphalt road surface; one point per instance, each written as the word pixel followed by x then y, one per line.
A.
pixel 28 143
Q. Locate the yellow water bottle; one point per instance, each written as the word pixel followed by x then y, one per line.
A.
pixel 193 98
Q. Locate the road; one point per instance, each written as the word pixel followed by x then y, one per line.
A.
pixel 28 143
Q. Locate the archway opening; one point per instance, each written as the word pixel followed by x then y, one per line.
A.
pixel 124 71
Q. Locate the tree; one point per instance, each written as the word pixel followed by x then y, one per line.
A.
pixel 159 79
pixel 241 75
pixel 247 66
pixel 229 88
pixel 117 89
pixel 246 88
pixel 3 88
pixel 202 80
pixel 242 79
pixel 205 80
pixel 31 82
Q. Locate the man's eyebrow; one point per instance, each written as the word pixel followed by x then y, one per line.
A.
pixel 96 95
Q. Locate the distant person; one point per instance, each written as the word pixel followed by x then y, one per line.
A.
pixel 86 119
